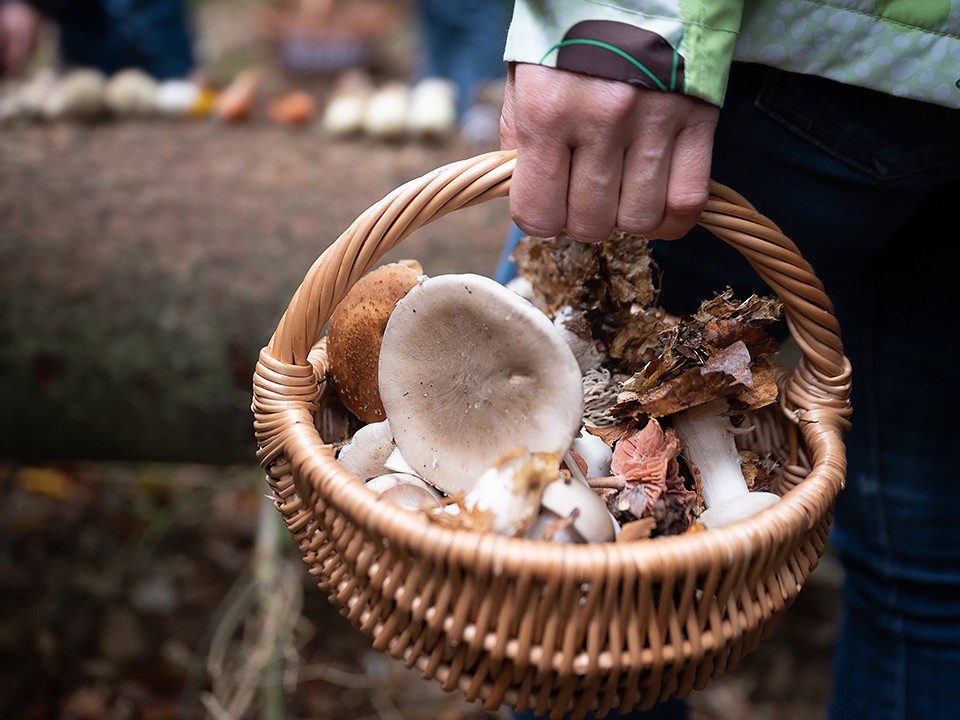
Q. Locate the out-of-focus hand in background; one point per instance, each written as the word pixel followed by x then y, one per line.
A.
pixel 19 27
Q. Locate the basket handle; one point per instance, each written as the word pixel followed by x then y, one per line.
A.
pixel 819 386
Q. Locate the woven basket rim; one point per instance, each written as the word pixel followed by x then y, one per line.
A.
pixel 798 510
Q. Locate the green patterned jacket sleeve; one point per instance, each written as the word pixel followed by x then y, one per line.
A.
pixel 669 45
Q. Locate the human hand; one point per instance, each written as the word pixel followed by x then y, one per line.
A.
pixel 594 154
pixel 19 28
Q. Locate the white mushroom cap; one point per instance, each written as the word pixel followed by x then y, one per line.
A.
pixel 433 108
pixel 78 94
pixel 510 491
pixel 177 97
pixel 469 370
pixel 385 114
pixel 368 450
pixel 131 92
pixel 595 453
pixel 584 350
pixel 407 491
pixel 522 287
pixel 735 509
pixel 397 464
pixel 592 522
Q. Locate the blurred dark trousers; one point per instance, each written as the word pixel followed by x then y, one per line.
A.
pixel 111 35
pixel 865 184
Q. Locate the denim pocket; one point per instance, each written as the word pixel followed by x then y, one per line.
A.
pixel 884 136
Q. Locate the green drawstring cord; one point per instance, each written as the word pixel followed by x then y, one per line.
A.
pixel 629 58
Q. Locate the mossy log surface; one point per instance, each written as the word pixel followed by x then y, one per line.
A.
pixel 144 264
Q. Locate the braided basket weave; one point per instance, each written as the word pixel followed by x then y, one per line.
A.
pixel 552 628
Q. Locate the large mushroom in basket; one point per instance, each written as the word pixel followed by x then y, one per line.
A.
pixel 469 370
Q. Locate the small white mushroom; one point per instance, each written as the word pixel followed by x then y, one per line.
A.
pixel 433 108
pixel 32 95
pixel 385 115
pixel 584 349
pixel 131 92
pixel 568 499
pixel 368 450
pixel 522 287
pixel 469 370
pixel 508 494
pixel 595 453
pixel 345 112
pixel 709 445
pixel 177 97
pixel 78 94
pixel 407 491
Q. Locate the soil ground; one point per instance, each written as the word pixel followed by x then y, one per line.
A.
pixel 132 589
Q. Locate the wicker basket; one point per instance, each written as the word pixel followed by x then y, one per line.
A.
pixel 553 628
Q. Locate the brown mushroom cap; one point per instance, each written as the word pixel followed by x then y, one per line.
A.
pixel 469 370
pixel 355 334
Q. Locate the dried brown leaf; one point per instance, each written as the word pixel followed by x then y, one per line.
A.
pixel 629 269
pixel 755 309
pixel 726 373
pixel 764 390
pixel 560 269
pixel 612 434
pixel 637 530
pixel 609 286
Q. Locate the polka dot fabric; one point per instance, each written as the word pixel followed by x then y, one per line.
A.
pixel 871 44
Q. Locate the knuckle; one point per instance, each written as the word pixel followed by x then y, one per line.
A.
pixel 640 219
pixel 592 232
pixel 687 202
pixel 637 225
pixel 538 225
pixel 670 231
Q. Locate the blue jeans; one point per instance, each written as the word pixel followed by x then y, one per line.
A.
pixel 112 35
pixel 864 184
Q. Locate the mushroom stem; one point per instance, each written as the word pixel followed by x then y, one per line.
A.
pixel 708 438
pixel 709 445
pixel 570 462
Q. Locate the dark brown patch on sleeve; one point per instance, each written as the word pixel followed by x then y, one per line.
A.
pixel 644 58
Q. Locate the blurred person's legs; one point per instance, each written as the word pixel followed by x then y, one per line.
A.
pixel 463 42
pixel 111 35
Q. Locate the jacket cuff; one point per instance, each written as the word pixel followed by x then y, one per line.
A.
pixel 668 45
